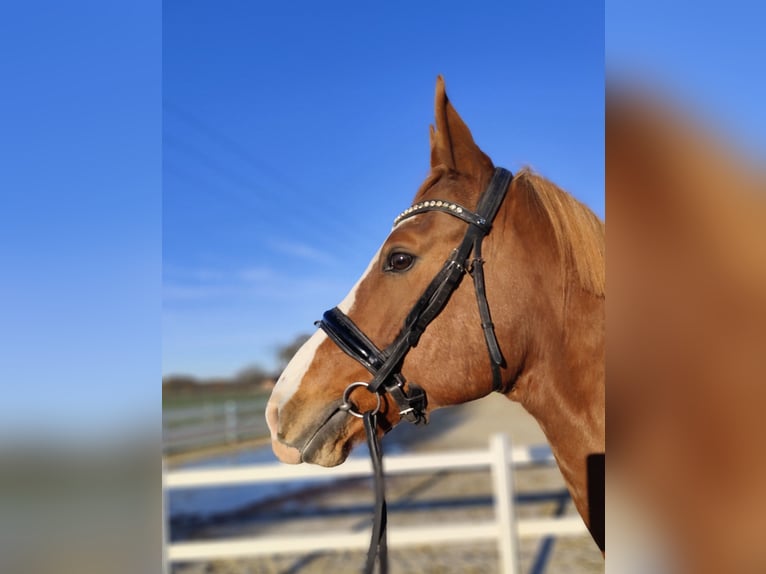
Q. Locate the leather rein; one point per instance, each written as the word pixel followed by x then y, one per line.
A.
pixel 385 365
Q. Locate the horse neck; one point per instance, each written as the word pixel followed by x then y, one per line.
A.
pixel 562 386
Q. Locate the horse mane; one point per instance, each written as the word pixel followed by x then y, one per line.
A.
pixel 578 232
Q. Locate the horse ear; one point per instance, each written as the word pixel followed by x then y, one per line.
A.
pixel 452 144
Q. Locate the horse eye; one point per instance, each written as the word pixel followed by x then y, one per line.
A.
pixel 399 261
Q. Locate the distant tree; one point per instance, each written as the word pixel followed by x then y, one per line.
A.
pixel 173 385
pixel 253 375
pixel 179 382
pixel 286 352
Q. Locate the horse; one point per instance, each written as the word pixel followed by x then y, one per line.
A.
pixel 530 327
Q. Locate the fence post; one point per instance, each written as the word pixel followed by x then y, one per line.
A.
pixel 505 514
pixel 231 421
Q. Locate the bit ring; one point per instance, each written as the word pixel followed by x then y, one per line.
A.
pixel 349 407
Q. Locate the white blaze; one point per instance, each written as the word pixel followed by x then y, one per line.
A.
pixel 291 377
pixel 290 380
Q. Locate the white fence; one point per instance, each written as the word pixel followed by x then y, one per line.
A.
pixel 500 458
pixel 212 424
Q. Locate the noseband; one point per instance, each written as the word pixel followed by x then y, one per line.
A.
pixel 385 365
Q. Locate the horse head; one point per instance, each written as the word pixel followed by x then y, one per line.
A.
pixel 530 260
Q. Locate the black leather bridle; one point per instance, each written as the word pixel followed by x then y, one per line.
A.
pixel 385 365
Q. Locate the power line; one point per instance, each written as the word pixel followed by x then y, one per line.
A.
pixel 260 218
pixel 290 206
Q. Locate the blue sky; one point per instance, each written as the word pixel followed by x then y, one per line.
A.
pixel 293 135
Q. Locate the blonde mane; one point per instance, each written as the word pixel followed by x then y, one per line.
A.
pixel 579 233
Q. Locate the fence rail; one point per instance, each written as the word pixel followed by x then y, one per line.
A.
pixel 500 458
pixel 227 422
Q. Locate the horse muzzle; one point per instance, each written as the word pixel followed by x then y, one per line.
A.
pixel 324 441
pixel 283 451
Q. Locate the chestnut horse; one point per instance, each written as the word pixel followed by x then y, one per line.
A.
pixel 544 283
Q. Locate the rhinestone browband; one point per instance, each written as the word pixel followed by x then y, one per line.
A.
pixel 428 204
pixel 445 206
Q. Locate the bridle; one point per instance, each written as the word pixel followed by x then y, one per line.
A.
pixel 385 365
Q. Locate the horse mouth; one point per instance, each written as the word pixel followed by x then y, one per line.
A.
pixel 325 444
pixel 328 445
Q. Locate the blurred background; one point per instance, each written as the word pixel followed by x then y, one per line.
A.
pixel 686 196
pixel 80 294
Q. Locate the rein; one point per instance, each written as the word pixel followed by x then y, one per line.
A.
pixel 385 365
